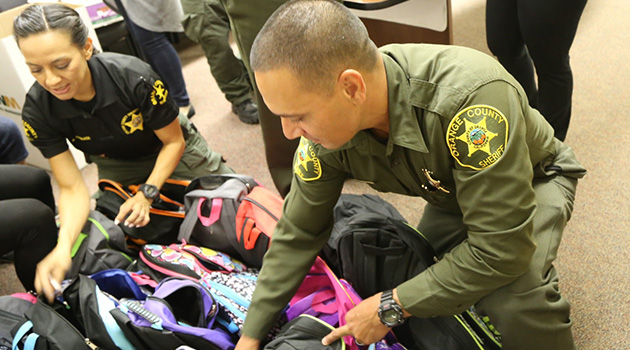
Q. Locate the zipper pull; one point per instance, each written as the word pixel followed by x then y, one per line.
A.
pixel 91 345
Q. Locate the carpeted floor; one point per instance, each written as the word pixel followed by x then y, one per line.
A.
pixel 593 260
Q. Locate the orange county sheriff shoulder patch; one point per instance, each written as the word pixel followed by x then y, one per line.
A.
pixel 132 121
pixel 29 131
pixel 307 165
pixel 159 93
pixel 477 136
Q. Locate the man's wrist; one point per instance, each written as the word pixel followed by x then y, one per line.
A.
pixel 395 296
pixel 390 313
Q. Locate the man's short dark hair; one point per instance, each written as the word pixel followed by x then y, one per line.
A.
pixel 316 40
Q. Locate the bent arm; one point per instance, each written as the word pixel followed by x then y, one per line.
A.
pixel 170 154
pixel 173 146
pixel 74 207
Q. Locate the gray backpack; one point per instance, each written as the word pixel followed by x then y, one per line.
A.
pixel 12 308
pixel 211 203
pixel 100 246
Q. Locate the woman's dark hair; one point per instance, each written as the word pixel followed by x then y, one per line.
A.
pixel 37 19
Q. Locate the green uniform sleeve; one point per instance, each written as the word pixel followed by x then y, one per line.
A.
pixel 496 197
pixel 304 228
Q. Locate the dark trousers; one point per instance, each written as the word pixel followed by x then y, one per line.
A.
pixel 162 56
pixel 534 37
pixel 27 217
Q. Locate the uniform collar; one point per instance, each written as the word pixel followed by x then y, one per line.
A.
pixel 404 130
pixel 103 83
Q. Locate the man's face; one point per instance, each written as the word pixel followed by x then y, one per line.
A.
pixel 328 120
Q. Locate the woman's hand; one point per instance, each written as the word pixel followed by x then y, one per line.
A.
pixel 135 211
pixel 51 271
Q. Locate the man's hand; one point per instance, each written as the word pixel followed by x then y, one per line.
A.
pixel 362 322
pixel 53 267
pixel 247 343
pixel 137 207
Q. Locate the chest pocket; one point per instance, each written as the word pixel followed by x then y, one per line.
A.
pixel 89 130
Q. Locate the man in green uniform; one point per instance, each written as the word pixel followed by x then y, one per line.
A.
pixel 246 18
pixel 205 22
pixel 444 123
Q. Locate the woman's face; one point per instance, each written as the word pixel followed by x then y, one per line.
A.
pixel 58 65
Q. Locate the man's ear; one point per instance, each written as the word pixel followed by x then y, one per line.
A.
pixel 352 84
pixel 88 48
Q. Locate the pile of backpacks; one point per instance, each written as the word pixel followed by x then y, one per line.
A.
pixel 185 281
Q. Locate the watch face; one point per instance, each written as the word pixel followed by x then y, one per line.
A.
pixel 149 191
pixel 390 316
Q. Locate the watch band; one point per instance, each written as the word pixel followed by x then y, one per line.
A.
pixel 390 313
pixel 149 191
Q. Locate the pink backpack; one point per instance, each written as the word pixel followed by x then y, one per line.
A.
pixel 326 297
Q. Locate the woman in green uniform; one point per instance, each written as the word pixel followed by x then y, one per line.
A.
pixel 112 107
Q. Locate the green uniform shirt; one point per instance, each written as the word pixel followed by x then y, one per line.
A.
pixel 457 117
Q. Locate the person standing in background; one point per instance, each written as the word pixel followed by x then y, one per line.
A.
pixel 205 22
pixel 246 19
pixel 149 22
pixel 531 39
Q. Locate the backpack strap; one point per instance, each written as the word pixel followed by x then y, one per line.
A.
pixel 215 212
pixel 31 339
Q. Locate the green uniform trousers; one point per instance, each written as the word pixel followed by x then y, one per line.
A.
pixel 198 160
pixel 247 18
pixel 530 313
pixel 205 22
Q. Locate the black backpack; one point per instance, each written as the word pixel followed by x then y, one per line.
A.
pixel 100 246
pixel 346 208
pixel 376 252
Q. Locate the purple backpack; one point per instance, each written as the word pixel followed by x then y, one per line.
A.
pixel 180 309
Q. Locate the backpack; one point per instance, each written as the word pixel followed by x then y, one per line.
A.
pixel 347 206
pixel 52 326
pixel 328 299
pixel 100 246
pixel 211 203
pixel 231 214
pixel 256 219
pixel 166 213
pixel 304 332
pixel 376 253
pixel 179 312
pixel 231 287
pixel 12 307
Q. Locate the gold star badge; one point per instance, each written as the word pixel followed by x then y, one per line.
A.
pixel 477 136
pixel 132 121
